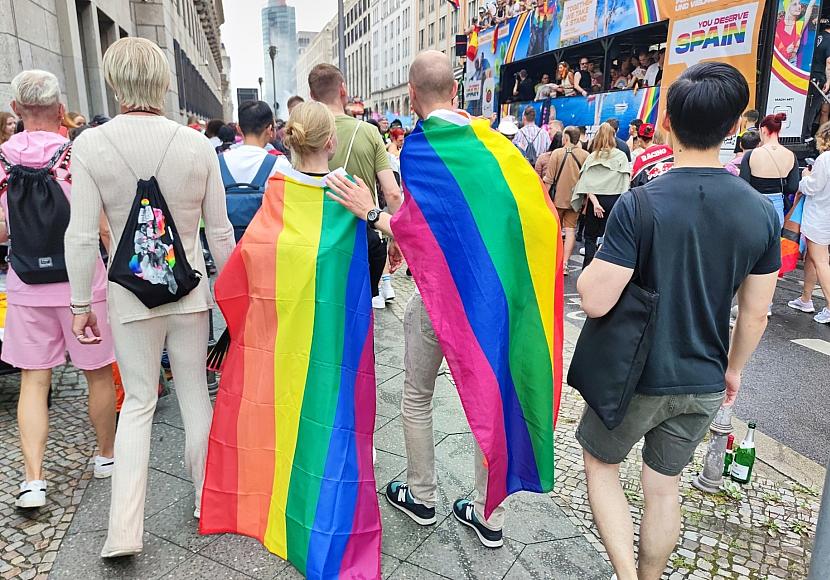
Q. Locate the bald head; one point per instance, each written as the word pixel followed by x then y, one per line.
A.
pixel 431 80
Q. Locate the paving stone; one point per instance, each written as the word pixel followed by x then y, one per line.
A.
pixel 167 450
pixel 390 437
pixel 407 571
pixel 391 357
pixel 453 550
pixel 569 559
pixel 244 555
pixel 198 568
pixel 532 518
pixel 454 462
pixel 387 468
pixel 401 535
pixel 176 524
pixel 163 490
pixel 167 411
pixel 79 558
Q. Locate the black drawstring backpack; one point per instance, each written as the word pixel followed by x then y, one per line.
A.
pixel 38 218
pixel 150 260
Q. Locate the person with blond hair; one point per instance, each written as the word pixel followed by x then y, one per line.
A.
pixel 605 176
pixel 38 330
pixel 141 143
pixel 815 223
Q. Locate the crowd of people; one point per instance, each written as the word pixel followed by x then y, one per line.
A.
pixel 494 13
pixel 586 78
pixel 213 179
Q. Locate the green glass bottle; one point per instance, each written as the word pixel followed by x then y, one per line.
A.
pixel 730 455
pixel 741 470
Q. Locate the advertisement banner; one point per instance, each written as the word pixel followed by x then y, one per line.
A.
pixel 721 31
pixel 472 91
pixel 793 45
pixel 578 18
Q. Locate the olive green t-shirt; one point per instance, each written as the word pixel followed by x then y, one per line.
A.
pixel 368 156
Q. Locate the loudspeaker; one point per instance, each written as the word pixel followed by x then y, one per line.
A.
pixel 460 45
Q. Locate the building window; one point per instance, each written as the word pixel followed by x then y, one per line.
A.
pixel 431 6
pixel 420 8
pixel 421 39
pixel 432 33
pixel 442 28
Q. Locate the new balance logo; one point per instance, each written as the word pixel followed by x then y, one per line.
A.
pixel 44 262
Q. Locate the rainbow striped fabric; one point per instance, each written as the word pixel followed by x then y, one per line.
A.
pixel 481 236
pixel 290 455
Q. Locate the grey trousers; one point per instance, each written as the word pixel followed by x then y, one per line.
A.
pixel 422 359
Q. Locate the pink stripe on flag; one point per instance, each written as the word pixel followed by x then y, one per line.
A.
pixel 475 379
pixel 362 553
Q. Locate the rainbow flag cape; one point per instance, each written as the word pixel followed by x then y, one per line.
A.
pixel 791 237
pixel 481 236
pixel 290 454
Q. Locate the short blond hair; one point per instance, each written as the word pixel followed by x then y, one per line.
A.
pixel 36 89
pixel 137 70
pixel 309 128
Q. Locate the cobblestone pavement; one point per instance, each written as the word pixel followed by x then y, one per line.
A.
pixel 764 532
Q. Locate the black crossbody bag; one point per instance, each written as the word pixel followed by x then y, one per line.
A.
pixel 552 188
pixel 612 350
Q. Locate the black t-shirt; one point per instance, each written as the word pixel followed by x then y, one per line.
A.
pixel 820 56
pixel 711 230
pixel 526 92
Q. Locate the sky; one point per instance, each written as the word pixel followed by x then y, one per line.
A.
pixel 242 34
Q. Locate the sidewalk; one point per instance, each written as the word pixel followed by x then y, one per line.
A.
pixel 764 533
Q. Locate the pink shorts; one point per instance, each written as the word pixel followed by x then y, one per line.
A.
pixel 38 337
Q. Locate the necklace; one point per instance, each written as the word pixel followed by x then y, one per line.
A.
pixel 144 111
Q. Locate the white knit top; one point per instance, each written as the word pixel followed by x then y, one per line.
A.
pixel 190 181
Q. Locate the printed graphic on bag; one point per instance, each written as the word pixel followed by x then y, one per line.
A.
pixel 154 257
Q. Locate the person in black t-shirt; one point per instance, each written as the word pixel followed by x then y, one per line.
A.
pixel 713 233
pixel 523 89
pixel 818 111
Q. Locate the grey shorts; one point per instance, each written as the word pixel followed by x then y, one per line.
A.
pixel 673 426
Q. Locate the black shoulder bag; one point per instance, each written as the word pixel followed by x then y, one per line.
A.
pixel 612 350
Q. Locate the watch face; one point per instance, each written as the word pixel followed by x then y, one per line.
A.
pixel 373 216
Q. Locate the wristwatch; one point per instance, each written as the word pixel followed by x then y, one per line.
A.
pixel 372 217
pixel 77 310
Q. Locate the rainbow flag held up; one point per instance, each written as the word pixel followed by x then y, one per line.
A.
pixel 290 455
pixel 791 238
pixel 481 236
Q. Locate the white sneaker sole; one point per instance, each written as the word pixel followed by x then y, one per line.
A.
pixel 31 500
pixel 416 519
pixel 802 309
pixel 102 474
pixel 485 542
pixel 121 553
pixel 821 321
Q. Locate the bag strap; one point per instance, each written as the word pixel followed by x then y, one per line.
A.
pixel 227 178
pixel 351 144
pixel 777 167
pixel 127 163
pixel 261 178
pixel 645 231
pixel 559 171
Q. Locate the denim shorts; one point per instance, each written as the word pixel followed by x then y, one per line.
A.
pixel 673 426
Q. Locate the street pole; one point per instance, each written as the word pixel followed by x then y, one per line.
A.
pixel 260 88
pixel 341 34
pixel 820 566
pixel 272 52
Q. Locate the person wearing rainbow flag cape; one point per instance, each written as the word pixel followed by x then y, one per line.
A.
pixel 482 239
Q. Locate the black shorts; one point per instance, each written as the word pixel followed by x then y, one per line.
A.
pixel 377 258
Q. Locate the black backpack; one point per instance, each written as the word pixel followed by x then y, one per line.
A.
pixel 150 260
pixel 38 207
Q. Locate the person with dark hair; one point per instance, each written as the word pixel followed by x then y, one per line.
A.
pixel 749 122
pixel 582 77
pixel 523 87
pixel 543 160
pixel 250 162
pixel 561 177
pixel 633 126
pixel 212 131
pixel 713 234
pixel 621 145
pixel 746 142
pixel 772 169
pixel 227 138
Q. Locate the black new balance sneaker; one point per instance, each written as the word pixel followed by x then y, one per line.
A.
pixel 397 493
pixel 463 511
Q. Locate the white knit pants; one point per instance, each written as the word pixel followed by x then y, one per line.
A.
pixel 138 348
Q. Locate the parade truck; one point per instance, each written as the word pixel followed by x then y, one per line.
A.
pixel 772 42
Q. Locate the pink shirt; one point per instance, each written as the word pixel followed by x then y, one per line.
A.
pixel 35 149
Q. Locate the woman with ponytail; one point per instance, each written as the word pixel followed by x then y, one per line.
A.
pixel 772 169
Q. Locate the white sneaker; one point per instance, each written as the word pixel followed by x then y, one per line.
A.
pixel 197 513
pixel 32 494
pixel 378 302
pixel 374 455
pixel 799 304
pixel 103 467
pixel 823 317
pixel 386 289
pixel 582 251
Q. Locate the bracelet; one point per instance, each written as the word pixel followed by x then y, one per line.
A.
pixel 78 310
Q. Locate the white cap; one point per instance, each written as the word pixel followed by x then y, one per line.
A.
pixel 508 127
